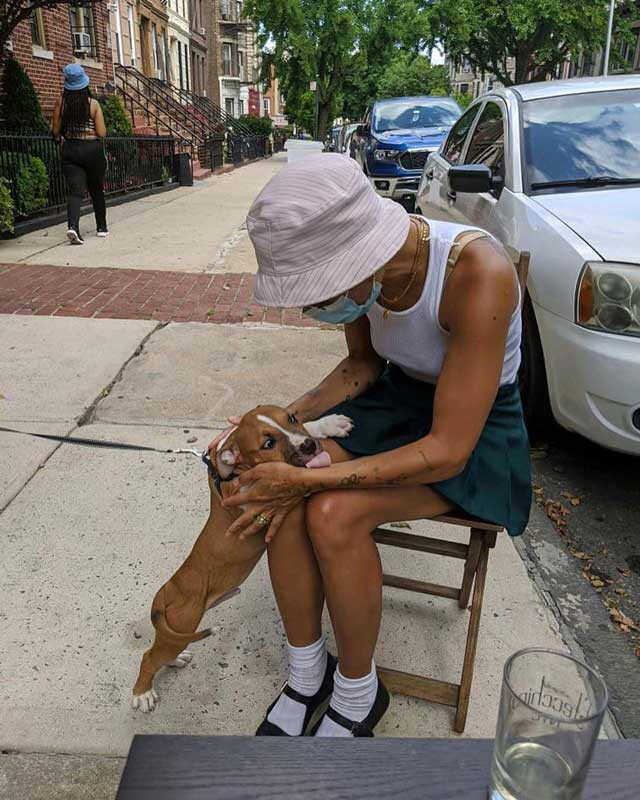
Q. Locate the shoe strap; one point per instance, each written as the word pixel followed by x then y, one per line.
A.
pixel 306 700
pixel 356 728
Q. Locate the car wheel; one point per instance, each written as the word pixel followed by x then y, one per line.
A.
pixel 532 376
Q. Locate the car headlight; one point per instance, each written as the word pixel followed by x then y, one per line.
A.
pixel 385 155
pixel 608 298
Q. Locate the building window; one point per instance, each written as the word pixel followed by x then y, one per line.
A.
pixel 118 34
pixel 240 107
pixel 132 35
pixel 228 106
pixel 37 29
pixel 227 59
pixel 83 34
pixel 266 104
pixel 239 10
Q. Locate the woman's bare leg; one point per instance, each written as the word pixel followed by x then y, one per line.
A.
pixel 295 576
pixel 340 524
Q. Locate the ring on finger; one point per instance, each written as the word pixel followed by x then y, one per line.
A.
pixel 262 519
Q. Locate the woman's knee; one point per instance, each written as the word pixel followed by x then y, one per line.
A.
pixel 332 521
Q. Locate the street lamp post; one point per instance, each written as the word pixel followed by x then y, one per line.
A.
pixel 313 85
pixel 607 49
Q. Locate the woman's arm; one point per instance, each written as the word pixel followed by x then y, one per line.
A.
pixel 56 120
pixel 351 377
pixel 98 119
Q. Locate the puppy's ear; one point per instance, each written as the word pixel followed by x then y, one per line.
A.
pixel 227 455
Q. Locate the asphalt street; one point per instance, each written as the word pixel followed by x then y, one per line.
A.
pixel 584 545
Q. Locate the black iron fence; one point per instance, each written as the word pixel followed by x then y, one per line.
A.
pixel 278 141
pixel 32 165
pixel 242 148
pixel 211 154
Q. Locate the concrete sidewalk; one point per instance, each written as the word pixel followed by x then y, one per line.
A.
pixel 90 534
pixel 193 229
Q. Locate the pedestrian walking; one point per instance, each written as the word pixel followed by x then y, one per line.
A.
pixel 77 118
pixel 431 314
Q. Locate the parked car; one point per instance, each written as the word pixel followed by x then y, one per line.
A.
pixel 554 168
pixel 345 134
pixel 395 138
pixel 332 138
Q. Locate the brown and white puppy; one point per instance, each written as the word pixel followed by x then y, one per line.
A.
pixel 217 566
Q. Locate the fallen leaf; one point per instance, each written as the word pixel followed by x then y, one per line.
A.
pixel 572 498
pixel 638 651
pixel 579 554
pixel 619 590
pixel 621 619
pixel 597 583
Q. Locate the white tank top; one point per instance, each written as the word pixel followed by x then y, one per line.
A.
pixel 414 339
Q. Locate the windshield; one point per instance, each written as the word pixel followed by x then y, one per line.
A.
pixel 434 112
pixel 584 136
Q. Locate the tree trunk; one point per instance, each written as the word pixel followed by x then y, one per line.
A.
pixel 323 120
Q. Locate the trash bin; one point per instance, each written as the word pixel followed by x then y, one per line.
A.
pixel 182 169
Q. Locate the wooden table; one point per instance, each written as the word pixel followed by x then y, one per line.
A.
pixel 234 767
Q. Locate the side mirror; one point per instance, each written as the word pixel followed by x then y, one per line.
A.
pixel 474 179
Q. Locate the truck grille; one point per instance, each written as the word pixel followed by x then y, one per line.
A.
pixel 414 159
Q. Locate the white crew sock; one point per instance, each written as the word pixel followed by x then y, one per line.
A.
pixel 307 666
pixel 353 698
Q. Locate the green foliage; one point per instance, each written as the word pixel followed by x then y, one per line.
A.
pixel 259 126
pixel 409 75
pixel 165 174
pixel 6 207
pixel 115 117
pixel 463 99
pixel 539 34
pixel 19 105
pixel 29 176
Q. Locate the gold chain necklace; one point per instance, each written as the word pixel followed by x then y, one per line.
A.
pixel 423 238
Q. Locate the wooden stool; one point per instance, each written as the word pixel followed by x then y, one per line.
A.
pixel 476 555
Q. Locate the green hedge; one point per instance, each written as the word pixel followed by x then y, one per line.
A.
pixel 28 175
pixel 6 207
pixel 259 126
pixel 115 117
pixel 19 105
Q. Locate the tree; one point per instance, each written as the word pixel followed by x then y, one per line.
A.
pixel 408 76
pixel 13 12
pixel 19 105
pixel 343 45
pixel 539 34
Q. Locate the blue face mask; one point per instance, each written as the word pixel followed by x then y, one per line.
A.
pixel 344 309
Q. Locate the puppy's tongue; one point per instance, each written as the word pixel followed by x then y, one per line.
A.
pixel 323 459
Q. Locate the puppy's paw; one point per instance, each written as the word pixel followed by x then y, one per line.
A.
pixel 145 702
pixel 332 425
pixel 182 660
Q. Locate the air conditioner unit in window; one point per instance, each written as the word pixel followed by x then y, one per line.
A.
pixel 225 8
pixel 203 31
pixel 81 43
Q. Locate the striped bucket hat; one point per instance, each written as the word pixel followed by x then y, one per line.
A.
pixel 318 229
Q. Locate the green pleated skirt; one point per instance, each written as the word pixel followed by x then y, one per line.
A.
pixel 495 485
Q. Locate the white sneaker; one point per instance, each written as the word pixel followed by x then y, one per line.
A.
pixel 102 234
pixel 74 237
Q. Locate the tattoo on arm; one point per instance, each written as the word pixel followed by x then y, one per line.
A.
pixel 353 480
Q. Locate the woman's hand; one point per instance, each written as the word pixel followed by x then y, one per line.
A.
pixel 273 490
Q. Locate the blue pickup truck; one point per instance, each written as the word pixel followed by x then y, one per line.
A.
pixel 394 140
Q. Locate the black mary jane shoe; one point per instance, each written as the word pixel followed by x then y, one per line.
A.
pixel 312 703
pixel 364 728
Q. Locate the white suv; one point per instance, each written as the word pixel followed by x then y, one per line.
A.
pixel 554 168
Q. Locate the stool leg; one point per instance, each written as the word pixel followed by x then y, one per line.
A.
pixel 472 640
pixel 470 565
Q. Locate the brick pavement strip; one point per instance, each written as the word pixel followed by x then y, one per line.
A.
pixel 47 290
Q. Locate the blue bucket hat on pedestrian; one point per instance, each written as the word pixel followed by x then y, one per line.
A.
pixel 75 78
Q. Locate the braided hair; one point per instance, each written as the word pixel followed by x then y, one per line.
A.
pixel 76 111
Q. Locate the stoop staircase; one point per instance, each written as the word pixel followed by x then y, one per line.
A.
pixel 159 109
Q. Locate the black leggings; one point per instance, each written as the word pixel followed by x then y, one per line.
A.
pixel 84 165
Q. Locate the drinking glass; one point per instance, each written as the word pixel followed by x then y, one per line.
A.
pixel 551 709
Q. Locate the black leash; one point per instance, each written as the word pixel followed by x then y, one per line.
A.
pixel 107 443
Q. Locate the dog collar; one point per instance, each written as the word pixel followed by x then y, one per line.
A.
pixel 216 477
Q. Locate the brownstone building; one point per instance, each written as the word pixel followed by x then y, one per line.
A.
pixel 55 37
